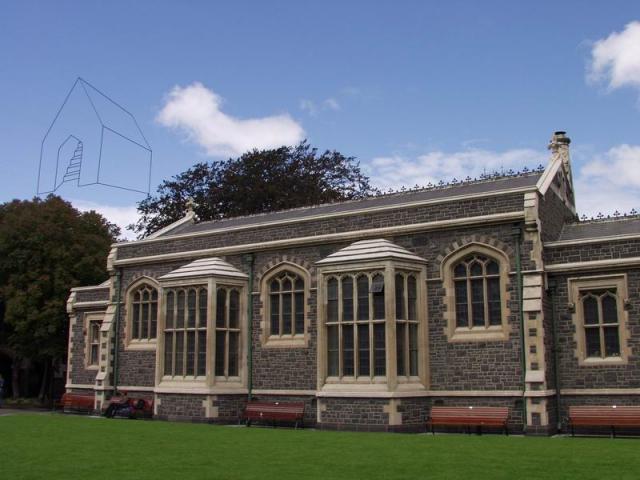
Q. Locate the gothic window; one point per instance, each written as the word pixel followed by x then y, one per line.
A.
pixel 355 325
pixel 601 325
pixel 185 332
pixel 227 325
pixel 144 313
pixel 286 304
pixel 406 296
pixel 475 278
pixel 93 355
pixel 601 331
pixel 477 292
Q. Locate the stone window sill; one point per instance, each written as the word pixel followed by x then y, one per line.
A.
pixel 291 341
pixel 141 345
pixel 599 362
pixel 479 334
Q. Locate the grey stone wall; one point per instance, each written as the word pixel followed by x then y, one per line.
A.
pixel 354 414
pixel 181 407
pixel 572 375
pixel 79 374
pixel 100 293
pixel 593 251
pixel 402 216
pixel 553 214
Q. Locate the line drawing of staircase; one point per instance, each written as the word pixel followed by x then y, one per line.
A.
pixel 75 165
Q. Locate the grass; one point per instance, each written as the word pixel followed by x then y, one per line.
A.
pixel 70 447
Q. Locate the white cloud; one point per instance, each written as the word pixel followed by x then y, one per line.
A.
pixel 331 104
pixel 196 111
pixel 397 171
pixel 615 60
pixel 610 182
pixel 121 216
pixel 604 182
pixel 313 109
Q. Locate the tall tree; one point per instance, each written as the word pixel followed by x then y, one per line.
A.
pixel 47 247
pixel 258 181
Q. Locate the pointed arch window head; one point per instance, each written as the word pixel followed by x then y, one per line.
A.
pixel 285 295
pixel 477 292
pixel 476 278
pixel 142 315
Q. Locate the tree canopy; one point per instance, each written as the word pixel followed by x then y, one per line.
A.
pixel 258 181
pixel 47 247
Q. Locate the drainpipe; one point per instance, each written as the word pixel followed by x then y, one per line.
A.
pixel 556 352
pixel 249 259
pixel 517 235
pixel 117 330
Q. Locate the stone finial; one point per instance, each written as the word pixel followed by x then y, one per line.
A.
pixel 559 140
pixel 191 205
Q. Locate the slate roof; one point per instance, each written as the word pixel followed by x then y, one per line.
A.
pixel 367 250
pixel 600 228
pixel 204 267
pixel 390 200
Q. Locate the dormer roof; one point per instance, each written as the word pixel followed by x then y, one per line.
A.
pixel 205 267
pixel 371 250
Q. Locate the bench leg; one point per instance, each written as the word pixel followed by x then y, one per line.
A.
pixel 506 430
pixel 613 431
pixel 573 433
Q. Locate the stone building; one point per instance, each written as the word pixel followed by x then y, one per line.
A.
pixel 487 292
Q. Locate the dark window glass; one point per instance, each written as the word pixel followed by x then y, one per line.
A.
pixel 609 309
pixel 413 349
pixel 234 309
pixel 347 351
pixel 378 297
pixel 332 300
pixel 476 269
pixel 593 342
pixel 380 365
pixel 590 310
pixel 611 342
pixel 179 361
pixel 495 307
pixel 412 294
pixel 191 353
pixel 347 299
pixel 477 302
pixel 286 314
pixel 169 320
pixel 221 305
pixel 400 297
pixel 333 353
pixel 202 353
pixel 135 321
pixel 191 308
pixel 462 307
pixel 299 284
pixel 363 350
pixel 144 321
pixel 492 268
pixel 168 353
pixel 299 300
pixel 363 297
pixel 234 345
pixel 275 285
pixel 202 305
pixel 286 285
pixel 154 319
pixel 180 315
pixel 275 314
pixel 460 270
pixel 220 352
pixel 400 348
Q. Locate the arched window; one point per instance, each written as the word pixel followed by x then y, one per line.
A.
pixel 475 278
pixel 143 313
pixel 285 292
pixel 601 324
pixel 477 292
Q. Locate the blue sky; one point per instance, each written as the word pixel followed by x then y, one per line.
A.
pixel 415 90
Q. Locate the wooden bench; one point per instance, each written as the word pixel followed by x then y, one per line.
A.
pixel 469 417
pixel 77 402
pixel 611 416
pixel 274 411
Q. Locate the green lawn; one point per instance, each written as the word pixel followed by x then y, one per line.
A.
pixel 70 447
